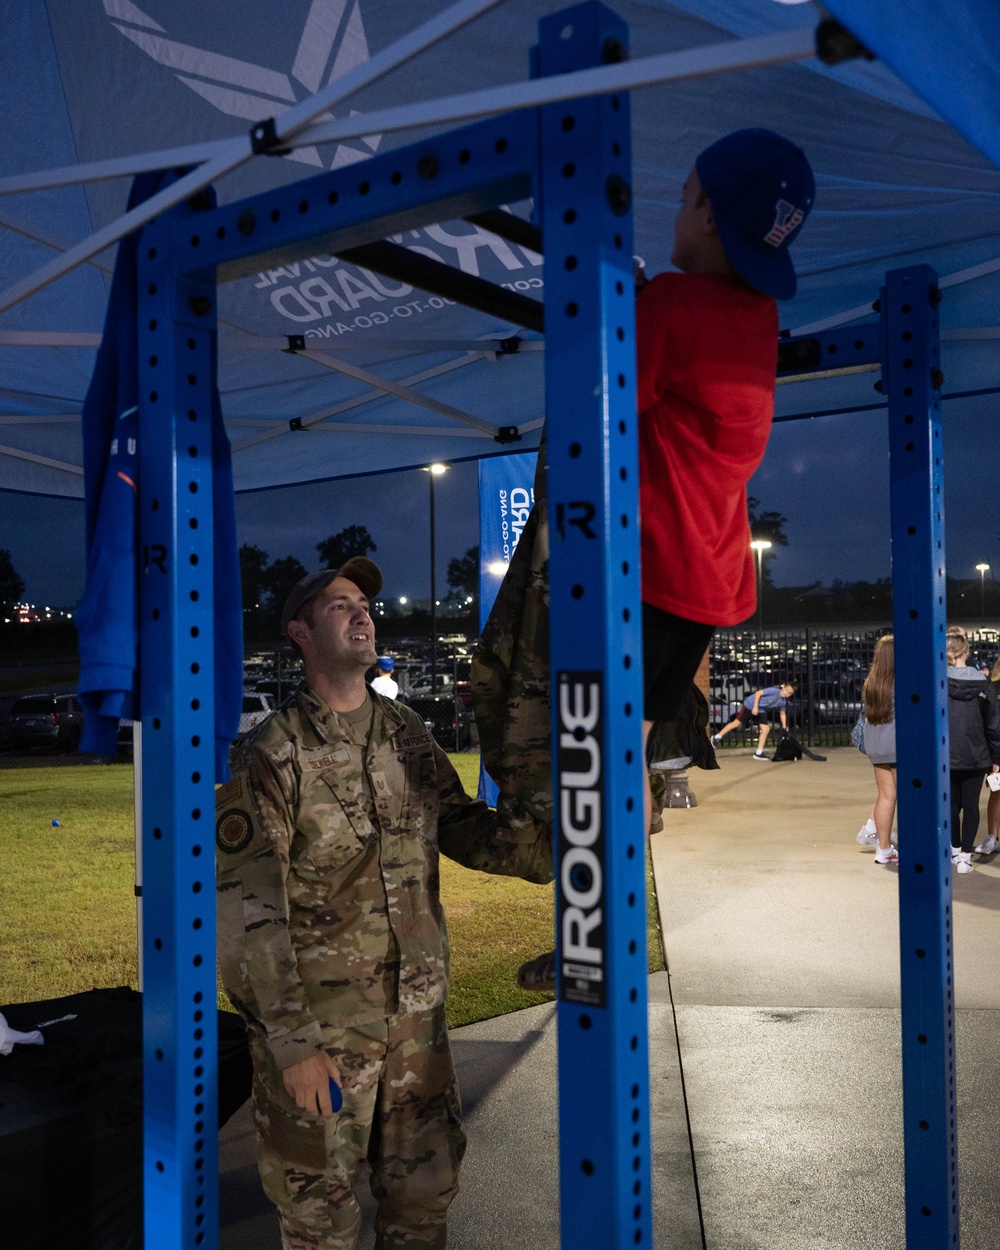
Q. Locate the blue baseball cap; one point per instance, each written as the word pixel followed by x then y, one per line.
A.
pixel 386 662
pixel 761 188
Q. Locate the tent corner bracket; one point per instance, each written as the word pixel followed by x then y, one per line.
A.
pixel 264 139
pixel 835 43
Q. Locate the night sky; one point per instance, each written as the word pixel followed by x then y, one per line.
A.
pixel 828 476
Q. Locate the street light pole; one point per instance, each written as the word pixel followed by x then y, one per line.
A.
pixel 982 569
pixel 433 471
pixel 434 635
pixel 760 545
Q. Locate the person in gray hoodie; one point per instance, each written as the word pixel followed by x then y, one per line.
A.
pixel 974 729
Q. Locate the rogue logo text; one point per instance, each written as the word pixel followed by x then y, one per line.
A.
pixel 581 839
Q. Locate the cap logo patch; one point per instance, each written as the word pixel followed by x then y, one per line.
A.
pixel 786 218
pixel 233 831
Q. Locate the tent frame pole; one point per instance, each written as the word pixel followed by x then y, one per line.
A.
pixel 716 58
pixel 233 153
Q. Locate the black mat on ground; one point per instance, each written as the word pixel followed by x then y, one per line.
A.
pixel 71 1120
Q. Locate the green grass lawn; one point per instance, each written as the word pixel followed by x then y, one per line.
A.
pixel 69 913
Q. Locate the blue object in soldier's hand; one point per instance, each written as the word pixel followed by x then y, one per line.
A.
pixel 336 1097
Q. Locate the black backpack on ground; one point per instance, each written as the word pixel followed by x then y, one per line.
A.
pixel 790 748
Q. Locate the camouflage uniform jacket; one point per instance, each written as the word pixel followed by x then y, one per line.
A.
pixel 327 871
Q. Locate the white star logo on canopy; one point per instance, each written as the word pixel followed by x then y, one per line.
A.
pixel 254 92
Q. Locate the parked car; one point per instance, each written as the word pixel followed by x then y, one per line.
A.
pixel 46 720
pixel 448 719
pixel 256 705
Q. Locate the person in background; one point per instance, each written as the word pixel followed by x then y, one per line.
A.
pixel 770 699
pixel 384 683
pixel 878 699
pixel 992 840
pixel 974 732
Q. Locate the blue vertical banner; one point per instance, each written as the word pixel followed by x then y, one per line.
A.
pixel 506 496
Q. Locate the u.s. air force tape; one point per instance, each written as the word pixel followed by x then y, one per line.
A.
pixel 233 830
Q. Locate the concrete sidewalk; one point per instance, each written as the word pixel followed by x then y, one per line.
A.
pixel 782 941
pixel 510 1177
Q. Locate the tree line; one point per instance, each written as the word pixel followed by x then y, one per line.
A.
pixel 266 583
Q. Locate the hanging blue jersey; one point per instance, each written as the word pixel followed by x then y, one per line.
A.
pixel 107 615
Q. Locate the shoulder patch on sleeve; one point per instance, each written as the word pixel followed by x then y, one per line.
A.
pixel 412 742
pixel 233 830
pixel 228 793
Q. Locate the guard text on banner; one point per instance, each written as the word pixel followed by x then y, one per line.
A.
pixel 506 496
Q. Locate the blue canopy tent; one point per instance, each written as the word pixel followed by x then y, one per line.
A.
pixel 116 79
pixel 899 189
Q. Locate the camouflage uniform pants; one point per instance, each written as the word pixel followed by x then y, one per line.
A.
pixel 401 1112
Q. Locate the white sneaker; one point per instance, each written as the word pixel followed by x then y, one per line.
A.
pixel 987 846
pixel 964 862
pixel 888 856
pixel 867 835
pixel 955 852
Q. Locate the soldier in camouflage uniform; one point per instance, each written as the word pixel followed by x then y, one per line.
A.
pixel 332 942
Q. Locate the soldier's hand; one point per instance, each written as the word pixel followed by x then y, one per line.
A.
pixel 308 1082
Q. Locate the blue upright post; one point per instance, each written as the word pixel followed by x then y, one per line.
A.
pixel 180 1066
pixel 590 397
pixel 912 376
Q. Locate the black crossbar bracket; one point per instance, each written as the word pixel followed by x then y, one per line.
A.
pixel 399 263
pixel 507 226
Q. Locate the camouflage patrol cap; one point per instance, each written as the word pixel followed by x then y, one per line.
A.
pixel 364 573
